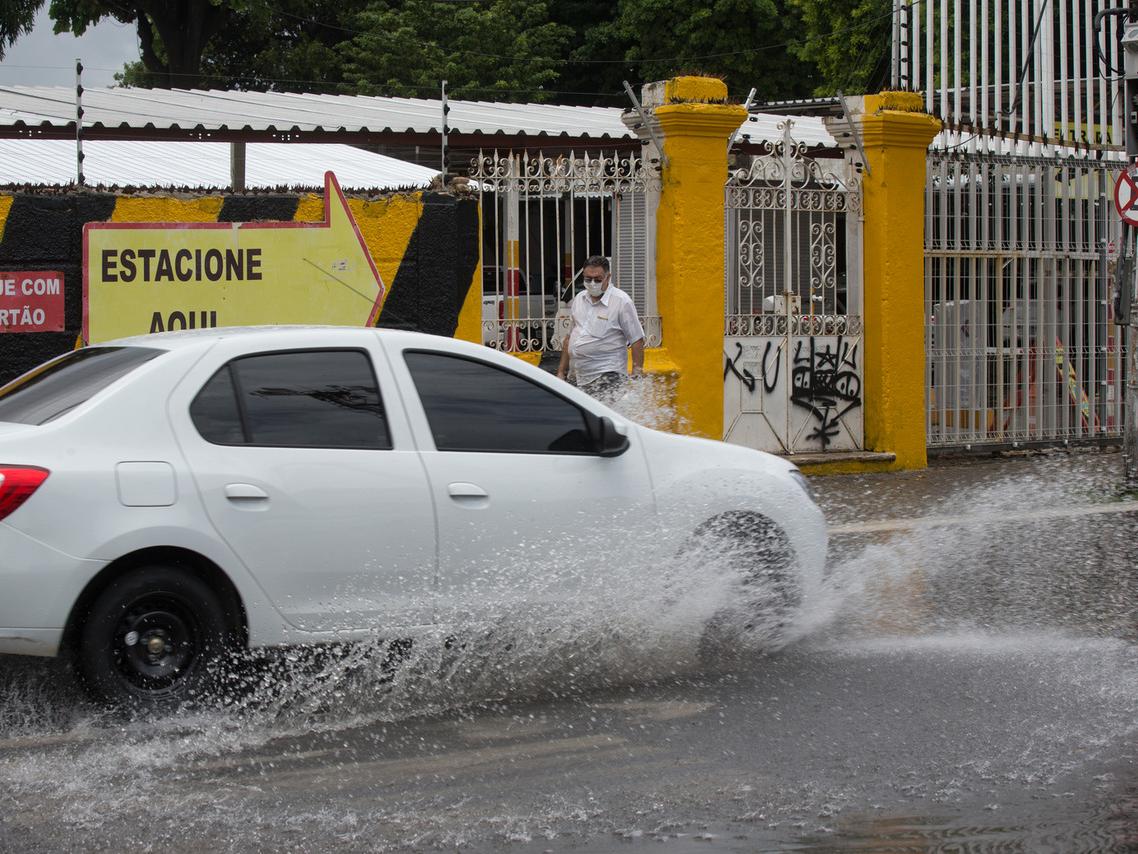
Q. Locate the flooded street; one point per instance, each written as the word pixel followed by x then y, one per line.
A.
pixel 965 680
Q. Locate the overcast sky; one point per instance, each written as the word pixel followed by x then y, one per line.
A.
pixel 41 58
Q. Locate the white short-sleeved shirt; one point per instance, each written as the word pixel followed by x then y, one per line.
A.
pixel 602 333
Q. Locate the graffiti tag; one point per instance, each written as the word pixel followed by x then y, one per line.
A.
pixel 825 382
pixel 744 376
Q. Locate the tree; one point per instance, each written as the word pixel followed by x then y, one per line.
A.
pixel 504 48
pixel 285 45
pixel 172 34
pixel 742 41
pixel 848 40
pixel 572 51
pixel 16 18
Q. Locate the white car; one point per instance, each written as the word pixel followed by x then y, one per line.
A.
pixel 168 499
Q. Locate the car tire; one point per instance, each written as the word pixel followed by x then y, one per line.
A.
pixel 768 594
pixel 153 639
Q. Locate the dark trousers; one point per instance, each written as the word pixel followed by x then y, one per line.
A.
pixel 606 387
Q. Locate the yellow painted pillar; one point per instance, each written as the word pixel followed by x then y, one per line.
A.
pixel 696 122
pixel 896 133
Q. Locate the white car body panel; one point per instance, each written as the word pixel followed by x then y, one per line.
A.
pixel 344 539
pixel 496 511
pixel 350 543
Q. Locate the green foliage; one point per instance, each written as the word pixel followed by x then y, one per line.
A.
pixel 172 35
pixel 502 48
pixel 16 18
pixel 571 51
pixel 848 41
pixel 742 41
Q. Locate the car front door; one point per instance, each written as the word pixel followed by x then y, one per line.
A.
pixel 310 475
pixel 529 511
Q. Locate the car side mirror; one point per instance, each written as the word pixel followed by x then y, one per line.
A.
pixel 609 442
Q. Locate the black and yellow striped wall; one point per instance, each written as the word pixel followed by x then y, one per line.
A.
pixel 424 244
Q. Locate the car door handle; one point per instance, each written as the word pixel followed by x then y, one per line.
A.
pixel 245 492
pixel 466 490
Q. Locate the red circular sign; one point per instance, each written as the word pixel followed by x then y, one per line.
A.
pixel 1126 197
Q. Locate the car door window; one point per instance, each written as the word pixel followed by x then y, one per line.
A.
pixel 473 406
pixel 304 398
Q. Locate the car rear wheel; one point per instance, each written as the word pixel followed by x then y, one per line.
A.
pixel 153 639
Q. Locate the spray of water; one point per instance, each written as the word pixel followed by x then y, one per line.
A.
pixel 983 587
pixel 594 617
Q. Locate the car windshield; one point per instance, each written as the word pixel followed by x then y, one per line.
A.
pixel 61 385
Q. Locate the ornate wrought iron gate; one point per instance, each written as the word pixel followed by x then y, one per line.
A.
pixel 792 345
pixel 542 216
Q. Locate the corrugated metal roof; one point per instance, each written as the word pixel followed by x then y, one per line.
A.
pixel 129 163
pixel 283 113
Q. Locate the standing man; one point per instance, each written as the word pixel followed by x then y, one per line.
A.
pixel 603 325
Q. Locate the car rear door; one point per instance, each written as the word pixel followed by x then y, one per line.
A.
pixel 529 512
pixel 307 469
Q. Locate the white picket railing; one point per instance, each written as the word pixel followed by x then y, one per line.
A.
pixel 1043 71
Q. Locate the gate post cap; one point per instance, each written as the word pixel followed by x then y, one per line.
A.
pixel 684 90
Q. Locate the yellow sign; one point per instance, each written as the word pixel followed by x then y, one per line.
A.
pixel 141 277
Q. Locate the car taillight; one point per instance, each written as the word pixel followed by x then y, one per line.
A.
pixel 17 483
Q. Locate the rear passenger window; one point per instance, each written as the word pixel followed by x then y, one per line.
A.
pixel 67 382
pixel 301 399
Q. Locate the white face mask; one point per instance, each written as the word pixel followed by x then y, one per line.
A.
pixel 595 287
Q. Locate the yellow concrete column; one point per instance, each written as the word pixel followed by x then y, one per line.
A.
pixel 896 133
pixel 696 123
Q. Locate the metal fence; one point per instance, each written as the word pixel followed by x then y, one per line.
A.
pixel 1020 336
pixel 541 218
pixel 1044 70
pixel 792 372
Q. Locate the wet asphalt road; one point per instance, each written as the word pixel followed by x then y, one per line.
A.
pixel 966 682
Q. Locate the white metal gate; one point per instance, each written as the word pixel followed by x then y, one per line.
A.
pixel 1021 340
pixel 792 349
pixel 1019 232
pixel 542 216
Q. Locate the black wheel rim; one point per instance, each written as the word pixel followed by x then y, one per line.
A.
pixel 157 643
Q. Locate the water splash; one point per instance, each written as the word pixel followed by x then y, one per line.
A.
pixel 1044 594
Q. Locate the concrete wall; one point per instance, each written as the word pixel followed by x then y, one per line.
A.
pixel 424 244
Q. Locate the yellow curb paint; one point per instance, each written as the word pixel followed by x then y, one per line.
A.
pixel 690 243
pixel 657 361
pixel 847 467
pixel 896 139
pixel 166 209
pixel 533 358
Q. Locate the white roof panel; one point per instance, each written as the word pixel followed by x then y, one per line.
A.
pixel 284 112
pixel 121 163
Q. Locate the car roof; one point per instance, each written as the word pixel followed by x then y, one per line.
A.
pixel 191 338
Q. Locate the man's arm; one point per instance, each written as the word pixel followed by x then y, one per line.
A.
pixel 563 366
pixel 638 357
pixel 634 333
